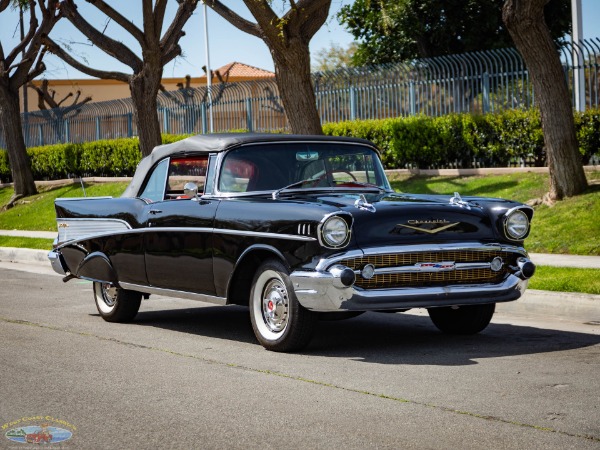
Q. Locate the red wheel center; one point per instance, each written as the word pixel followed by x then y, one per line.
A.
pixel 270 305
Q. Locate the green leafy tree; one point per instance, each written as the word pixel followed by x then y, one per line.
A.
pixel 334 57
pixel 390 31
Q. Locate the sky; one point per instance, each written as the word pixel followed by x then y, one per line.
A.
pixel 226 43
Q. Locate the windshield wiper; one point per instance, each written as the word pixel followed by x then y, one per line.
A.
pixel 275 194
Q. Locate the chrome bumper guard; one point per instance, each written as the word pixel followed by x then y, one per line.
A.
pixel 56 263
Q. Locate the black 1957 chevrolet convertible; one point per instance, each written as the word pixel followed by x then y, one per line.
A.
pixel 296 228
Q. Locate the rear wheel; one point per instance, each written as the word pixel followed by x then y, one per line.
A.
pixel 279 321
pixel 115 304
pixel 469 319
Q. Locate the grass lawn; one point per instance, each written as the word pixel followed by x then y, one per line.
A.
pixel 24 242
pixel 37 212
pixel 566 279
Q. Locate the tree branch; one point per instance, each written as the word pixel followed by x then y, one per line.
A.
pixel 126 24
pixel 312 16
pixel 22 75
pixel 33 26
pixel 269 22
pixel 4 4
pixel 110 46
pixel 171 38
pixel 170 55
pixel 55 49
pixel 234 19
pixel 159 16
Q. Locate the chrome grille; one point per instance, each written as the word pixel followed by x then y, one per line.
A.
pixel 417 279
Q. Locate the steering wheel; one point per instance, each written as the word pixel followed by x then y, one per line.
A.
pixel 331 172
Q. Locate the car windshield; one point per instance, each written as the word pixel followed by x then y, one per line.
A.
pixel 269 167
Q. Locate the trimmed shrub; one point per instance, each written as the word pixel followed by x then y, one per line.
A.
pixel 454 140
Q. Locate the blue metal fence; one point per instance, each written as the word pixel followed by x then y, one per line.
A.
pixel 473 82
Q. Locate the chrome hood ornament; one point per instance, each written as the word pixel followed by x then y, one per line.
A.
pixel 458 201
pixel 362 203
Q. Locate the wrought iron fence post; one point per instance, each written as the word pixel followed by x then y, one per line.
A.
pixel 166 127
pixel 41 134
pixel 352 103
pixel 485 92
pixel 412 98
pixel 249 115
pixel 67 126
pixel 203 117
pixel 129 124
pixel 97 128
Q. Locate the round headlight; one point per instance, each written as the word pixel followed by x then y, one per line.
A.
pixel 334 231
pixel 517 225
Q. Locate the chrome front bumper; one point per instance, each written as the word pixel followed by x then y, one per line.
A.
pixel 315 291
pixel 323 289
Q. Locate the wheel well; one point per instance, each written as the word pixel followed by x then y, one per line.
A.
pixel 241 280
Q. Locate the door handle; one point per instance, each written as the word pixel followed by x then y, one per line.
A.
pixel 155 211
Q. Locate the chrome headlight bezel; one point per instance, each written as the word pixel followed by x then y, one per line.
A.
pixel 334 231
pixel 516 224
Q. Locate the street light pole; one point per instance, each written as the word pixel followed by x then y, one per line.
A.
pixel 208 71
pixel 578 72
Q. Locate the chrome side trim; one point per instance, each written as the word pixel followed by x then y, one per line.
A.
pixel 77 229
pixel 292 237
pixel 173 293
pixel 62 199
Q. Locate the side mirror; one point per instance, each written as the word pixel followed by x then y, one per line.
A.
pixel 190 190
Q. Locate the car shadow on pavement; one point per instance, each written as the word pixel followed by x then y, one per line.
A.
pixel 378 337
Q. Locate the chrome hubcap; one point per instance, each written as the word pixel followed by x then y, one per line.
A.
pixel 109 294
pixel 275 305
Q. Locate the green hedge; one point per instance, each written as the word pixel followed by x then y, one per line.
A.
pixel 110 158
pixel 466 140
pixel 455 140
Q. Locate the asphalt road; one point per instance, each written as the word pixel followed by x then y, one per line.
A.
pixel 186 375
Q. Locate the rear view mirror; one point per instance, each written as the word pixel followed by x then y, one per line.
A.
pixel 307 156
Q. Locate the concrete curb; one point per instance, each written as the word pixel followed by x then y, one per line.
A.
pixel 565 305
pixel 572 306
pixel 24 255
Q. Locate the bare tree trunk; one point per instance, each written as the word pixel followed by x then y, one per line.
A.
pixel 524 20
pixel 292 69
pixel 144 89
pixel 20 166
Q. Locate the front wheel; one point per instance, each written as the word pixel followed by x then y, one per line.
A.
pixel 469 319
pixel 279 321
pixel 115 304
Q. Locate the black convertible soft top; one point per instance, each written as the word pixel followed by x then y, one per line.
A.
pixel 214 143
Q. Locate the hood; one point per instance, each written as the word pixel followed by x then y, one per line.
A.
pixel 400 219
